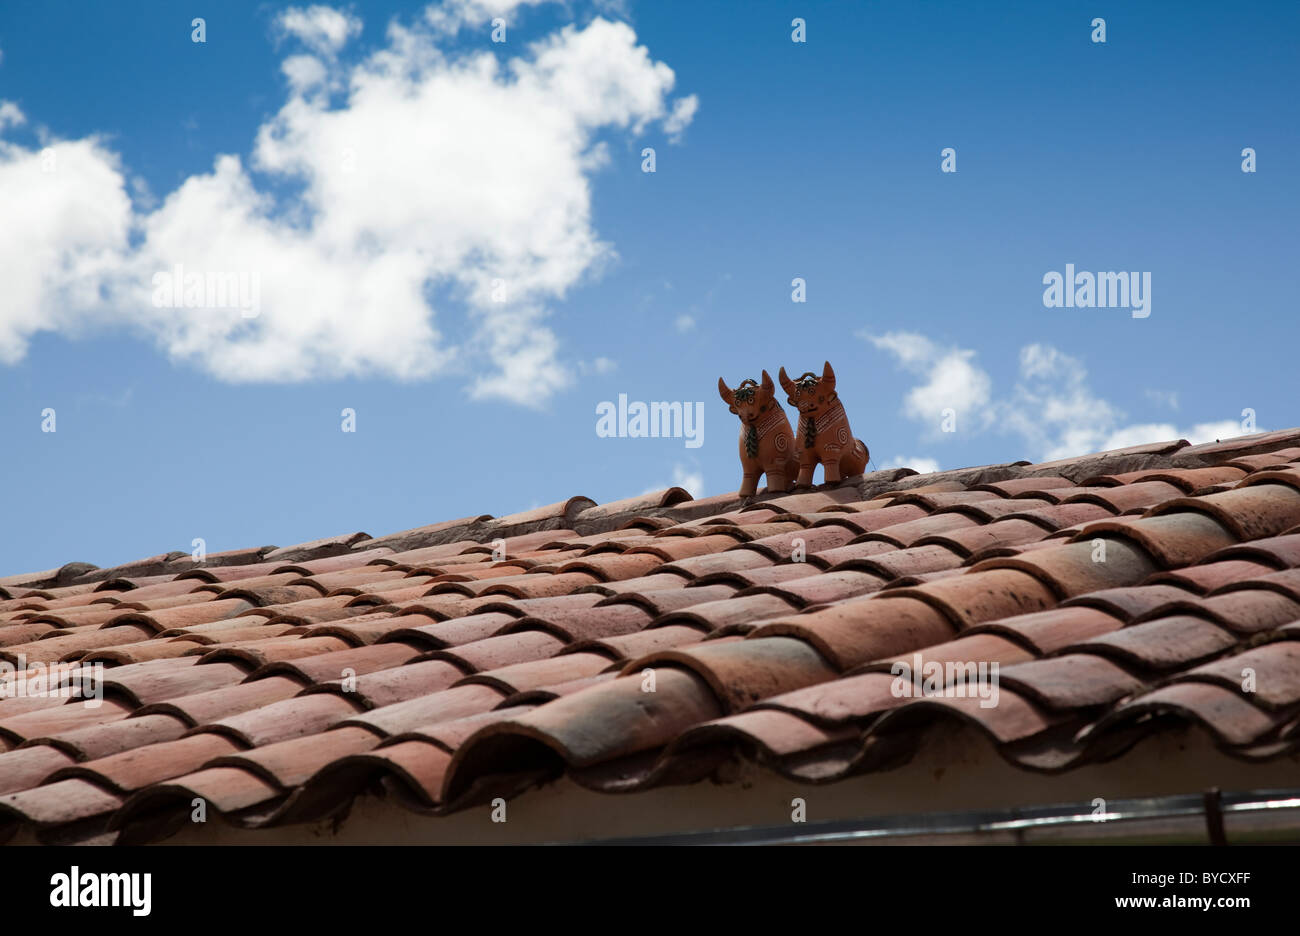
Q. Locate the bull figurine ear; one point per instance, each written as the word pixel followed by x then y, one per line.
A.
pixel 828 377
pixel 769 388
pixel 786 383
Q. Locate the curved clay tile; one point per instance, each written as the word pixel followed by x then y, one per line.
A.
pixel 729 612
pixel 858 631
pixel 745 671
pixel 605 722
pixel 1131 602
pixel 979 595
pixel 822 587
pixel 1250 512
pixel 1211 574
pixel 1075 568
pixel 1165 644
pixel 1228 717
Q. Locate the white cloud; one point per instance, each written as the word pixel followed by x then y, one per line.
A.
pixel 452 15
pixel 322 29
pixel 684 323
pixel 305 73
pixel 10 115
pixel 1051 407
pixel 436 172
pixel 683 112
pixel 919 464
pixel 950 379
pixel 75 223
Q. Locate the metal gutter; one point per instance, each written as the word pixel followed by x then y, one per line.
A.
pixel 1195 818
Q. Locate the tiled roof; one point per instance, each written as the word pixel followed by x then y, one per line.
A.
pixel 280 683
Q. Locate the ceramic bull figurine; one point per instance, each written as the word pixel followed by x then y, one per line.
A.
pixel 766 442
pixel 823 434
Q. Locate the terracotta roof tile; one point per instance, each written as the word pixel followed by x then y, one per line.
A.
pixel 659 581
pixel 203 708
pixel 742 672
pixel 824 588
pixel 1282 552
pixel 1131 602
pixel 501 650
pixel 868 521
pixel 1061 516
pixel 979 596
pixel 1225 714
pixel 341 664
pixel 27 767
pixel 1250 512
pixel 1050 631
pixel 71 645
pixel 860 630
pixel 610 620
pixel 124 735
pixel 666 601
pixel 1286 582
pixel 1189 480
pixel 136 768
pixel 291 763
pixel 842 556
pixel 781 546
pixel 1020 487
pixel 420 630
pixel 156 681
pixel 965 650
pixel 1120 594
pixel 1013 719
pixel 289 718
pixel 538 674
pixel 455 702
pixel 906 534
pixel 1242 445
pixel 449 735
pixel 839 702
pixel 1163 644
pixel 1072 681
pixel 69 716
pixel 607 721
pixel 727 561
pixel 640 643
pixel 771 733
pixel 1211 575
pixel 56 804
pixel 897 563
pixel 1075 568
pixel 760 576
pixel 1247 611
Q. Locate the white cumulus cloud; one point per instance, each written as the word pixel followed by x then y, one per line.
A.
pixel 950 379
pixel 452 15
pixel 322 29
pixel 1051 406
pixel 420 183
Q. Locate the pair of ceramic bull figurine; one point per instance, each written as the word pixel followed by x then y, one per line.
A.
pixel 767 446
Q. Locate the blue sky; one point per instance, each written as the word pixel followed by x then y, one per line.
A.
pixel 774 160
